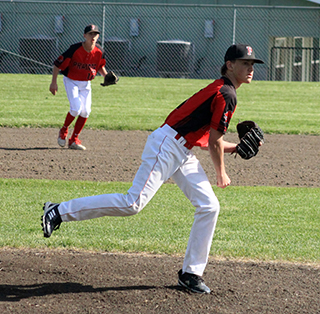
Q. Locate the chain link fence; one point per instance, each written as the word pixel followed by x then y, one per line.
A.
pixel 162 40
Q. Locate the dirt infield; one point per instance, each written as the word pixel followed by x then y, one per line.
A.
pixel 284 160
pixel 61 281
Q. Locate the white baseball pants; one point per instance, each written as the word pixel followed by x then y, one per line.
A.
pixel 79 96
pixel 163 157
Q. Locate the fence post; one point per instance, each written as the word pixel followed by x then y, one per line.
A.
pixel 234 24
pixel 103 25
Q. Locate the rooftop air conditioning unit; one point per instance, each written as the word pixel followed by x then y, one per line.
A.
pixel 175 58
pixel 116 54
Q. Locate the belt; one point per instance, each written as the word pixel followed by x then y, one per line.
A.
pixel 182 139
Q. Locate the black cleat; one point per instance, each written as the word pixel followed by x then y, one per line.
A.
pixel 192 282
pixel 51 219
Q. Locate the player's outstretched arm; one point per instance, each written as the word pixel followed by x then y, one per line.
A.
pixel 227 146
pixel 103 71
pixel 54 86
pixel 217 150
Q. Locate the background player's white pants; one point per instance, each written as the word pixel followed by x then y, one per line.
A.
pixel 163 157
pixel 79 96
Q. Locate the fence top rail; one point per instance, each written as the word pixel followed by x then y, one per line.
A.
pixel 295 48
pixel 166 4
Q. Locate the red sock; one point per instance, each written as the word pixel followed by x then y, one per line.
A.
pixel 64 130
pixel 68 120
pixel 78 128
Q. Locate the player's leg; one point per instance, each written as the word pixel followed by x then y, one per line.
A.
pixel 193 181
pixel 74 142
pixel 72 91
pixel 85 99
pixel 160 159
pixel 63 132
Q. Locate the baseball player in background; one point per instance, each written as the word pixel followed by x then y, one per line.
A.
pixel 79 64
pixel 202 120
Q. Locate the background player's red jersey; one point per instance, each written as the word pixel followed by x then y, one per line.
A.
pixel 78 64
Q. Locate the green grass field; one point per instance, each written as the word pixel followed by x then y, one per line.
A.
pixel 143 103
pixel 265 223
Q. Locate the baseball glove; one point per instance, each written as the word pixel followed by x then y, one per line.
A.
pixel 250 135
pixel 110 79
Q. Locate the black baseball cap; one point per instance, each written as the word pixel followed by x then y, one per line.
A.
pixel 241 51
pixel 91 29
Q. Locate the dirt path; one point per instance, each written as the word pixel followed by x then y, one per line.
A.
pixel 284 160
pixel 60 281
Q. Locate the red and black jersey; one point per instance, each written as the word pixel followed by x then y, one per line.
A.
pixel 213 106
pixel 78 64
